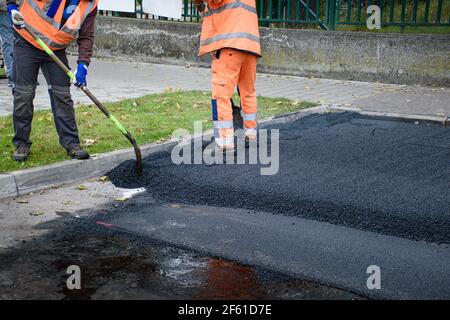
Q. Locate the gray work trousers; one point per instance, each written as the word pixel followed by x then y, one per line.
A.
pixel 6 34
pixel 27 61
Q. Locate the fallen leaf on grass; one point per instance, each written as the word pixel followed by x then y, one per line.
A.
pixel 46 117
pixel 89 142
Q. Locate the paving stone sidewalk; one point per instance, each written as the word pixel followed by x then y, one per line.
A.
pixel 112 80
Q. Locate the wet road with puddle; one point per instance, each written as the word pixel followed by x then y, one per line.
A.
pixel 119 265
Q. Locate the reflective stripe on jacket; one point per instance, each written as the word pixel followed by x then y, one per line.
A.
pixel 230 24
pixel 57 37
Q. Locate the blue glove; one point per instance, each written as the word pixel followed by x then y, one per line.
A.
pixel 12 7
pixel 80 75
pixel 16 16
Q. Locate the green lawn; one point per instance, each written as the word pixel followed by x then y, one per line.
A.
pixel 150 118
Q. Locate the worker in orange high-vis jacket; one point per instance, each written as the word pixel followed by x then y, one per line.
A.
pixel 230 32
pixel 58 23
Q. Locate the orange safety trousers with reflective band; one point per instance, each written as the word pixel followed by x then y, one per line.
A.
pixel 57 37
pixel 233 68
pixel 230 24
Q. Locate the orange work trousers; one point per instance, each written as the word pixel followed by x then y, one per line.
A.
pixel 231 68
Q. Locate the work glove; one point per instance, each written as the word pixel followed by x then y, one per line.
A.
pixel 16 16
pixel 80 75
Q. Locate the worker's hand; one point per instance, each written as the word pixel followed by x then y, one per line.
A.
pixel 80 75
pixel 16 16
pixel 199 5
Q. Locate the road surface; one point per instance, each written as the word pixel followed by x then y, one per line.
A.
pixel 351 192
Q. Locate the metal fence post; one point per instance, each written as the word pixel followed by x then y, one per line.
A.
pixel 332 14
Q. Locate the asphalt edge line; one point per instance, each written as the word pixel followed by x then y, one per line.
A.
pixel 405 117
pixel 23 182
pixel 71 171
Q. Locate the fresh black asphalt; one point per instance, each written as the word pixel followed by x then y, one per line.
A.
pixel 384 176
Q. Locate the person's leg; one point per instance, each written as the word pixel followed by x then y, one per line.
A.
pixel 225 72
pixel 49 87
pixel 6 34
pixel 246 84
pixel 25 75
pixel 62 103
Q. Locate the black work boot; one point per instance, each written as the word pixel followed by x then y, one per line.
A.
pixel 21 153
pixel 77 153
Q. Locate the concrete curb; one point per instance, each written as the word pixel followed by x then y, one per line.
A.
pixel 30 180
pixel 7 185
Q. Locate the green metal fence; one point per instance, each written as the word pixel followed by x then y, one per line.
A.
pixel 331 13
pixel 395 12
pixel 284 13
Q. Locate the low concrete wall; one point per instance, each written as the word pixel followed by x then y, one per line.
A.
pixel 394 58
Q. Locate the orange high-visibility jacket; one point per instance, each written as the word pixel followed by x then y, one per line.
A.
pixel 49 29
pixel 230 24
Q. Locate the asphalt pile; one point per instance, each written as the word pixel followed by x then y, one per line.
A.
pixel 384 176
